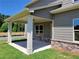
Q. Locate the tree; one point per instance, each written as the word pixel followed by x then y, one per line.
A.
pixel 4 27
pixel 2 18
pixel 15 27
pixel 18 27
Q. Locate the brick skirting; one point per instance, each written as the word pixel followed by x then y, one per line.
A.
pixel 65 46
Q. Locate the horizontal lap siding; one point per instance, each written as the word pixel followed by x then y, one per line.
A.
pixel 63 24
pixel 45 12
pixel 63 33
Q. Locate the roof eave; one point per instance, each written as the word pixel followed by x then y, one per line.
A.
pixel 49 5
pixel 64 9
pixel 20 15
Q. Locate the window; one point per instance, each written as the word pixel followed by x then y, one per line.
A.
pixel 76 0
pixel 76 29
pixel 39 29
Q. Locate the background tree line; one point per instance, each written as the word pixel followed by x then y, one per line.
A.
pixel 16 27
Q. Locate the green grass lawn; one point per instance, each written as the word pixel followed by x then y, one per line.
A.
pixel 8 52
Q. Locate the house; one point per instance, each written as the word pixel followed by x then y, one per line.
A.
pixel 49 20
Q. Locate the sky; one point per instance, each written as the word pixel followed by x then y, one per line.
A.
pixel 76 21
pixel 12 7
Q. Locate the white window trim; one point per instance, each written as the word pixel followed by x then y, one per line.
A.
pixel 74 33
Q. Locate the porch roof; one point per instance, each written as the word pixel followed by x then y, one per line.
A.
pixel 66 8
pixel 33 1
pixel 23 17
pixel 19 16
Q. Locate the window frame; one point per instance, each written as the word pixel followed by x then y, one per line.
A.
pixel 74 32
pixel 39 29
pixel 76 1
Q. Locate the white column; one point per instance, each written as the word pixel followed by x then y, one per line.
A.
pixel 52 29
pixel 29 34
pixel 9 32
pixel 25 31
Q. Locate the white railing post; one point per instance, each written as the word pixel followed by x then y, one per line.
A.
pixel 9 32
pixel 52 29
pixel 25 32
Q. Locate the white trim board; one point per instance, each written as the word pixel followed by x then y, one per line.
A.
pixel 42 48
pixel 24 50
pixel 20 48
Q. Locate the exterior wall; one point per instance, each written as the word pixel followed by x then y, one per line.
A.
pixel 41 3
pixel 45 13
pixel 63 24
pixel 47 29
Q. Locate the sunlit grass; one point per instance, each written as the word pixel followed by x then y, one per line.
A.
pixel 8 52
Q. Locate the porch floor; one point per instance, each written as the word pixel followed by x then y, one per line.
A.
pixel 36 44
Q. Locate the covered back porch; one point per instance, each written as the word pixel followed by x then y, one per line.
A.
pixel 38 32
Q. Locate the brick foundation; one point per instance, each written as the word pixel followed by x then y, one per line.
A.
pixel 65 46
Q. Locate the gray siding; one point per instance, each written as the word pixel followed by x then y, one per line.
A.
pixel 45 13
pixel 63 33
pixel 41 3
pixel 63 24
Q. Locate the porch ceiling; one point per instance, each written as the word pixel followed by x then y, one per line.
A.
pixel 23 17
pixel 37 19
